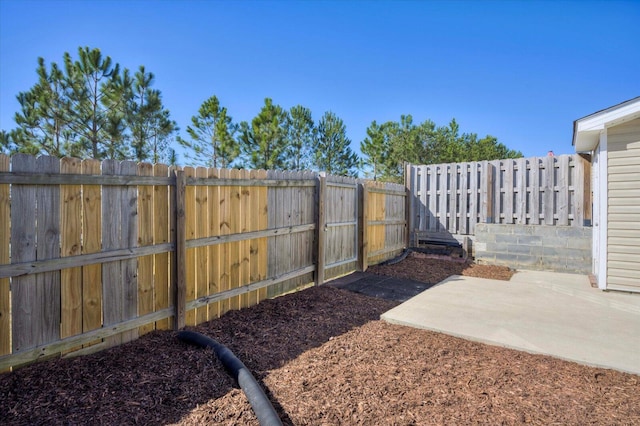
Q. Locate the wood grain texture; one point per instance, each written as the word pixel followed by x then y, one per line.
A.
pixel 214 250
pixel 224 251
pixel 5 239
pixel 201 227
pixel 145 238
pixel 23 248
pixel 92 288
pixel 161 235
pixel 190 230
pixel 71 243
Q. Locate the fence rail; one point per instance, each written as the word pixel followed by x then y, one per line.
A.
pixel 453 198
pixel 94 254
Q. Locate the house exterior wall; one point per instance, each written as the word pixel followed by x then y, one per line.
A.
pixel 623 208
pixel 535 247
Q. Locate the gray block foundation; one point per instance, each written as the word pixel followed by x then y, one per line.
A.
pixel 534 247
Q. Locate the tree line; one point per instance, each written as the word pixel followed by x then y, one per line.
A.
pixel 91 108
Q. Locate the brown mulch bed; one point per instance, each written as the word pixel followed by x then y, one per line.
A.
pixel 325 358
pixel 432 269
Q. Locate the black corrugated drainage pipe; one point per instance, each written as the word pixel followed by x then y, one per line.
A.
pixel 261 405
pixel 398 259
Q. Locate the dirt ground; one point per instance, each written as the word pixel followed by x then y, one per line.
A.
pixel 325 359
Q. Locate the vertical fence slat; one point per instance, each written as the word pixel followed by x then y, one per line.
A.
pixel 244 246
pixel 474 190
pixel 263 221
pixel 23 249
pixel 48 247
pixel 509 191
pixel 320 230
pixel 442 199
pixel 455 198
pixel 70 243
pixel 5 295
pixel 145 238
pixel 129 238
pixel 213 200
pixel 521 187
pixel 111 272
pixel 190 232
pixel 234 247
pixel 253 224
pixel 202 255
pixel 548 188
pixel 91 243
pixel 464 198
pixel 179 265
pixel 161 236
pixel 224 250
pixel 563 190
pixel 534 191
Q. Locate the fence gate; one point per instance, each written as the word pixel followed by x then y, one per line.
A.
pixel 340 226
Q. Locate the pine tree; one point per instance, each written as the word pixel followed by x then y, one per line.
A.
pixel 45 113
pixel 300 134
pixel 148 120
pixel 332 151
pixel 211 133
pixel 264 143
pixel 376 147
pixel 98 96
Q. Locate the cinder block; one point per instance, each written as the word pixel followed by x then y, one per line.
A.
pixel 551 252
pixel 545 231
pixel 554 264
pixel 503 238
pixel 531 240
pixel 523 229
pixel 518 249
pixel 506 257
pixel 576 254
pixel 530 261
pixel 568 231
pixel 496 248
pixel 555 242
pixel 582 243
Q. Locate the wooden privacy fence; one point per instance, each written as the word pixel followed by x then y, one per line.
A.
pixel 94 254
pixel 452 198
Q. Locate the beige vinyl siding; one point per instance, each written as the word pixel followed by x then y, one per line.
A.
pixel 623 216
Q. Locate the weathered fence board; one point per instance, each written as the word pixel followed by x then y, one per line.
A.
pixel 27 304
pixel 145 238
pixel 5 295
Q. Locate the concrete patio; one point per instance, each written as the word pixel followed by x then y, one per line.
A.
pixel 539 312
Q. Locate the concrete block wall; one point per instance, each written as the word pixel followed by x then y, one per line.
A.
pixel 534 247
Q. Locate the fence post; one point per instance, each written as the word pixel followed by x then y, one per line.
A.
pixel 408 204
pixel 363 219
pixel 488 192
pixel 179 296
pixel 320 227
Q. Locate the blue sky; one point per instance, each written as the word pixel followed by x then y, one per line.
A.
pixel 520 71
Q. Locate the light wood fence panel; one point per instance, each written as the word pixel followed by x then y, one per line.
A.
pixel 92 288
pixel 449 199
pixel 161 235
pixel 71 243
pixel 122 248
